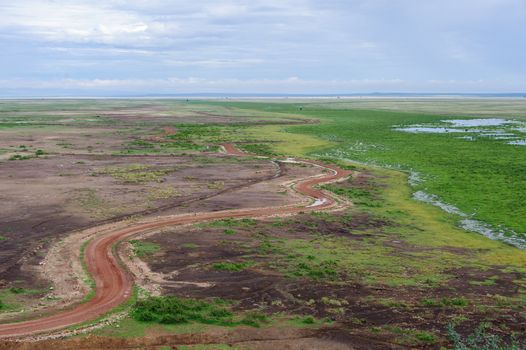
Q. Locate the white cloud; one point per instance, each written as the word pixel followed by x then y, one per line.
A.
pixel 125 23
pixel 236 44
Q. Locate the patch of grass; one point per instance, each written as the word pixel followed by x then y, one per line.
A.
pixel 19 157
pixel 407 336
pixel 24 291
pixel 487 282
pixel 88 279
pixel 189 246
pixel 2 238
pixel 174 310
pixel 261 149
pixel 144 249
pixel 231 223
pixel 98 207
pixel 166 192
pixel 229 231
pixel 254 319
pixel 216 185
pixel 232 266
pixel 358 196
pixel 136 173
pixel 445 302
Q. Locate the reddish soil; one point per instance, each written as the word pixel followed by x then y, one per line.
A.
pixel 113 284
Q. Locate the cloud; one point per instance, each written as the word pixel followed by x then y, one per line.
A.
pixel 123 23
pixel 238 44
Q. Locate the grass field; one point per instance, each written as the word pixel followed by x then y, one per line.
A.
pixel 485 178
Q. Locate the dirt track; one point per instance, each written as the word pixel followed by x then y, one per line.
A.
pixel 114 285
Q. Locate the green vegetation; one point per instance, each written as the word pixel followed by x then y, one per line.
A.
pixel 136 173
pixel 232 266
pixel 445 302
pixel 481 339
pixel 231 223
pixel 95 205
pixel 362 197
pixel 144 249
pixel 19 157
pixel 24 291
pixel 189 246
pixel 480 177
pixel 88 279
pixel 175 310
pixel 160 193
pixel 257 148
pixel 410 337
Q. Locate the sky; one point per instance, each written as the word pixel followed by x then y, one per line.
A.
pixel 143 47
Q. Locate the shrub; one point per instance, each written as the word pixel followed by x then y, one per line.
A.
pixel 174 310
pixel 19 157
pixel 254 319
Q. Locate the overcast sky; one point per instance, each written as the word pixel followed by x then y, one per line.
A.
pixel 115 47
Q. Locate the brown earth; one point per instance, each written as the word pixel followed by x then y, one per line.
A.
pixel 113 284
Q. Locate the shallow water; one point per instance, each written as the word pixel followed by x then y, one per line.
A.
pixel 500 135
pixel 472 225
pixel 518 143
pixel 479 122
pixel 433 130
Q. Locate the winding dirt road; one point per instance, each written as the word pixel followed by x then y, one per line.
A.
pixel 114 284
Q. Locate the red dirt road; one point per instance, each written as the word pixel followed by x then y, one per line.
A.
pixel 114 285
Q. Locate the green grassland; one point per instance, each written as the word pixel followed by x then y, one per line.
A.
pixel 486 178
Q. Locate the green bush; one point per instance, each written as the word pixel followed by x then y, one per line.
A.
pixel 254 319
pixel 174 310
pixel 19 157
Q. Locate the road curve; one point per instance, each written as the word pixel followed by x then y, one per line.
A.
pixel 114 284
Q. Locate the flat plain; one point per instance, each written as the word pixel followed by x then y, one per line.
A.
pixel 387 271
